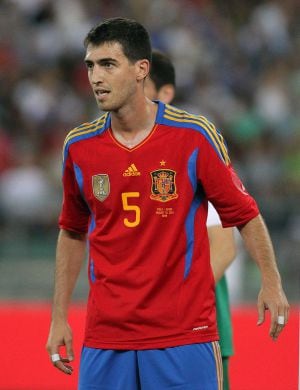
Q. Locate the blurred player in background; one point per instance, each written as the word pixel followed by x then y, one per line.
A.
pixel 160 85
pixel 136 184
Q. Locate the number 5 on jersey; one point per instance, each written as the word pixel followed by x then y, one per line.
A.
pixel 131 207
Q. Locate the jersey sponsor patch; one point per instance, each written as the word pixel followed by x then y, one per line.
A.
pixel 163 186
pixel 101 186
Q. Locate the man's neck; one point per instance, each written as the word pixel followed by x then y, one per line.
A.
pixel 132 125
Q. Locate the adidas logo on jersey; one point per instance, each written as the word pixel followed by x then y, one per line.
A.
pixel 132 171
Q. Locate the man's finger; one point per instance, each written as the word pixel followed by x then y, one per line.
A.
pixel 69 350
pixel 278 322
pixel 65 360
pixel 59 363
pixel 274 321
pixel 261 313
pixel 55 357
pixel 274 332
pixel 286 313
pixel 63 367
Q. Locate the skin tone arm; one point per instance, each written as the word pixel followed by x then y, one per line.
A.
pixel 222 249
pixel 271 296
pixel 69 259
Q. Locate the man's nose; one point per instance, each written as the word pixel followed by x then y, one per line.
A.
pixel 96 75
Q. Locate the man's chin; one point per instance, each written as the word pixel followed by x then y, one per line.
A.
pixel 103 106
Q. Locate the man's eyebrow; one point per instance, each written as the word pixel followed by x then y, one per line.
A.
pixel 101 60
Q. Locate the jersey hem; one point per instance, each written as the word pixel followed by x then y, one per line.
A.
pixel 150 345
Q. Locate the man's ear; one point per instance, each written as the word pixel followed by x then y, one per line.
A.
pixel 166 93
pixel 142 69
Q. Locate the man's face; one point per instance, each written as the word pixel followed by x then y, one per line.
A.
pixel 112 76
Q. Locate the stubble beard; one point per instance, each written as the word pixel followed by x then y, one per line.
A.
pixel 116 104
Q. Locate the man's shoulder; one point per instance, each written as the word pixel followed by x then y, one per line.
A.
pixel 177 117
pixel 87 130
pixel 199 124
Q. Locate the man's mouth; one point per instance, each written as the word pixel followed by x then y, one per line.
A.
pixel 101 92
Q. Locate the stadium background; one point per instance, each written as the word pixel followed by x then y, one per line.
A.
pixel 238 64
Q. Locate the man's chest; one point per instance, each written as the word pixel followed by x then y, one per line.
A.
pixel 154 175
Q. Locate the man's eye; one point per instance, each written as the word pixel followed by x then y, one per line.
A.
pixel 89 65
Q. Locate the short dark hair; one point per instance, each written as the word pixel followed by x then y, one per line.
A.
pixel 162 70
pixel 133 37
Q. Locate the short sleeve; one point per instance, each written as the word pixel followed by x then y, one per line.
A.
pixel 224 189
pixel 75 213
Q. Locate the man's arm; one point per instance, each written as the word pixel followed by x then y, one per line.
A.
pixel 271 296
pixel 222 249
pixel 69 258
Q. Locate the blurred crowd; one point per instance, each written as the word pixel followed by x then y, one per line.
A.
pixel 237 63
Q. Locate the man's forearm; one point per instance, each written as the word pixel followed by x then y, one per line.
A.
pixel 69 258
pixel 259 245
pixel 271 295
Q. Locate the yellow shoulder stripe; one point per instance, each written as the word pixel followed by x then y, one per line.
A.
pixel 182 116
pixel 85 128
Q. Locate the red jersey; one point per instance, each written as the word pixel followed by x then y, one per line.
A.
pixel 145 209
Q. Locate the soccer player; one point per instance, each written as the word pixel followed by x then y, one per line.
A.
pixel 136 184
pixel 160 84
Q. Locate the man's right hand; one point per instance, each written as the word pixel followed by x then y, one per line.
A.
pixel 60 335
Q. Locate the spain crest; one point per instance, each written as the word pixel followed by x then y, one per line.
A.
pixel 101 186
pixel 163 186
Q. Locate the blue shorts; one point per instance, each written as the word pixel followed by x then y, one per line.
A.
pixel 188 367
